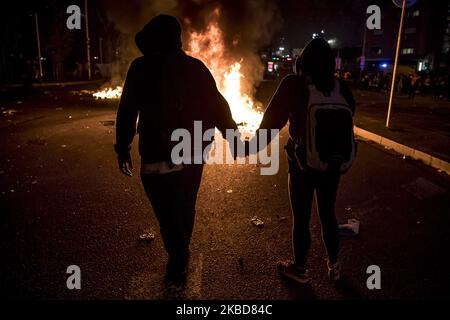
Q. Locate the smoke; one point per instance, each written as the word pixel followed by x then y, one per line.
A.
pixel 247 25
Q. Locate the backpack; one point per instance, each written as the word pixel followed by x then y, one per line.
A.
pixel 327 143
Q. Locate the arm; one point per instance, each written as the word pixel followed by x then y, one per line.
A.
pixel 220 111
pixel 127 114
pixel 222 117
pixel 277 112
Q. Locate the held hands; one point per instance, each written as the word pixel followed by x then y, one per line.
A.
pixel 125 164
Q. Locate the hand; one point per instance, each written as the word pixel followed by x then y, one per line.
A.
pixel 125 164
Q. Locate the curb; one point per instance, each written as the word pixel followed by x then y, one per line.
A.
pixel 51 84
pixel 415 154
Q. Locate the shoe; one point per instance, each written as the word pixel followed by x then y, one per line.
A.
pixel 289 270
pixel 334 271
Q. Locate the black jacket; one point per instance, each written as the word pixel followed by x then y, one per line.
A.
pixel 167 89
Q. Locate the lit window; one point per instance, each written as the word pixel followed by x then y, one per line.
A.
pixel 377 50
pixel 416 13
pixel 407 50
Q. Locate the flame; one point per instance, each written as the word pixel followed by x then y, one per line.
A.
pixel 109 93
pixel 209 47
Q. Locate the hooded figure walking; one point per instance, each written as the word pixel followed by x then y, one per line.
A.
pixel 165 90
pixel 314 87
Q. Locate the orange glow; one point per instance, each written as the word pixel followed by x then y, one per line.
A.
pixel 209 47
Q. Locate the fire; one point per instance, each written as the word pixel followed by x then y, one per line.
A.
pixel 209 47
pixel 109 93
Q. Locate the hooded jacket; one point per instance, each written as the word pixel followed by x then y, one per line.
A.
pixel 164 90
pixel 315 66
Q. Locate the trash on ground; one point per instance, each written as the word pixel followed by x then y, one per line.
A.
pixel 281 218
pixel 9 112
pixel 229 191
pixel 63 146
pixel 349 229
pixel 257 222
pixel 108 123
pixel 147 236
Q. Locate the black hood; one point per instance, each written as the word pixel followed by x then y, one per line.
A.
pixel 161 34
pixel 318 62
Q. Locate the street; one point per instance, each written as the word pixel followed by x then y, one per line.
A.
pixel 64 202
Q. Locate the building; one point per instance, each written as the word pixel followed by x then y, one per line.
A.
pixel 425 41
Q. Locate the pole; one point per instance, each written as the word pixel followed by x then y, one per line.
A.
pixel 394 73
pixel 88 49
pixel 100 50
pixel 363 53
pixel 36 22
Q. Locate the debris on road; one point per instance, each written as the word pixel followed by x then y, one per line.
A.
pixel 9 112
pixel 257 222
pixel 281 218
pixel 229 191
pixel 349 229
pixel 63 146
pixel 241 262
pixel 147 236
pixel 108 123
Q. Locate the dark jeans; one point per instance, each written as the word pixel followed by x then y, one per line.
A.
pixel 302 185
pixel 173 197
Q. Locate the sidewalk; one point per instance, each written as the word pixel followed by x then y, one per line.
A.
pixel 422 124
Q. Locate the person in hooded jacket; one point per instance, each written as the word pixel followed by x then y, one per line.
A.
pixel 166 89
pixel 315 66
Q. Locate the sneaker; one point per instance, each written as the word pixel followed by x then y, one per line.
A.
pixel 289 270
pixel 334 271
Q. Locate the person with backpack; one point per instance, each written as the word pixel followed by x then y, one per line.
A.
pixel 320 148
pixel 165 90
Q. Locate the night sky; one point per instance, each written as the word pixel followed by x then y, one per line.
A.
pixel 299 19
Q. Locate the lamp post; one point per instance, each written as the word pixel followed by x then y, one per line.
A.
pixel 38 40
pixel 88 47
pixel 403 4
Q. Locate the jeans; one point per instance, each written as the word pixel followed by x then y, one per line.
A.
pixel 173 197
pixel 302 185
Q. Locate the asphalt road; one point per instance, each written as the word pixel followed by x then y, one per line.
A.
pixel 63 202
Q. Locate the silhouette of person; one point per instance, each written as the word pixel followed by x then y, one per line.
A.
pixel 315 67
pixel 166 89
